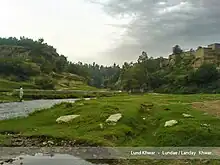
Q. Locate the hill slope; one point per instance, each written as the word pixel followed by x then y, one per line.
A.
pixel 35 64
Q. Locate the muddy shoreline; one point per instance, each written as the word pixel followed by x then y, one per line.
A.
pixel 17 140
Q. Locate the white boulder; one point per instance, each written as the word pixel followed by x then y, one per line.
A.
pixel 114 118
pixel 205 125
pixel 170 123
pixel 187 115
pixel 66 119
pixel 101 125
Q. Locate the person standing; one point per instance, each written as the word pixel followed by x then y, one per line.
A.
pixel 21 93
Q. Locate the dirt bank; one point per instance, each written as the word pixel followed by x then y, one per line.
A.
pixel 210 107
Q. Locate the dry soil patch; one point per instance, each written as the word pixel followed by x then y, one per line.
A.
pixel 211 107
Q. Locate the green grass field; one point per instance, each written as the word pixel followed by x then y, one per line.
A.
pixel 131 130
pixel 6 85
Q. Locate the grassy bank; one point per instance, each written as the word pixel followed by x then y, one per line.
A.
pixel 74 89
pixel 32 94
pixel 131 130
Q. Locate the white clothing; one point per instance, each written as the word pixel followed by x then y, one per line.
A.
pixel 21 92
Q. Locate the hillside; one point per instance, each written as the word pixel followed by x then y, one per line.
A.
pixel 38 64
pixel 186 72
pixel 35 64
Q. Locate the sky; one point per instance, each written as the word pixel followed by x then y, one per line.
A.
pixel 108 31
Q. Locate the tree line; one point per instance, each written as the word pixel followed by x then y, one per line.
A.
pixel 144 75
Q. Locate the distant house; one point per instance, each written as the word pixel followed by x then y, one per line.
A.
pixel 208 54
pixel 215 46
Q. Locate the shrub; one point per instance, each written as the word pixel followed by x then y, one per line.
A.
pixel 45 83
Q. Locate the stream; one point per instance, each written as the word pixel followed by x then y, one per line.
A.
pixel 39 159
pixel 19 109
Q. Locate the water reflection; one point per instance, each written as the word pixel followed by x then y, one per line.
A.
pixel 40 159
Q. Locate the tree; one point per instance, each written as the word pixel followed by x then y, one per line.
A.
pixel 205 74
pixel 41 40
pixel 45 83
pixel 143 57
pixel 177 49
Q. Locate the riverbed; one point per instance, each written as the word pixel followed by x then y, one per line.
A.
pixel 19 109
pixel 38 159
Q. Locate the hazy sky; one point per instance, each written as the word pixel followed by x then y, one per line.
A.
pixel 107 31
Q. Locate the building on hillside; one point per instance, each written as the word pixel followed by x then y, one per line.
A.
pixel 215 46
pixel 210 54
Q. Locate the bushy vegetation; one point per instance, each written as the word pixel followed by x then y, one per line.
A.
pixel 45 83
pixel 147 75
pixel 22 59
pixel 25 58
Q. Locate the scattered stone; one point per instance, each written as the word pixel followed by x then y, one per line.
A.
pixel 206 161
pixel 170 123
pixel 144 118
pixel 94 156
pixel 145 107
pixel 187 115
pixel 39 154
pixel 101 125
pixel 154 93
pixel 205 125
pixel 66 119
pixel 50 142
pixel 113 119
pixel 9 161
pixel 44 143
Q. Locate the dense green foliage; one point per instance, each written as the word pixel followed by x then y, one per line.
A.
pixel 21 59
pixel 25 58
pixel 147 75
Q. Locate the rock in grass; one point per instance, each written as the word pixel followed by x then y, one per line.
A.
pixel 205 125
pixel 113 119
pixel 101 126
pixel 170 123
pixel 187 115
pixel 66 119
pixel 145 107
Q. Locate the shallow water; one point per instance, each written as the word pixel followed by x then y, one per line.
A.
pixel 17 109
pixel 58 159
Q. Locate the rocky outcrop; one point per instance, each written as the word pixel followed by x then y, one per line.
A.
pixel 14 51
pixel 170 123
pixel 113 119
pixel 187 115
pixel 66 119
